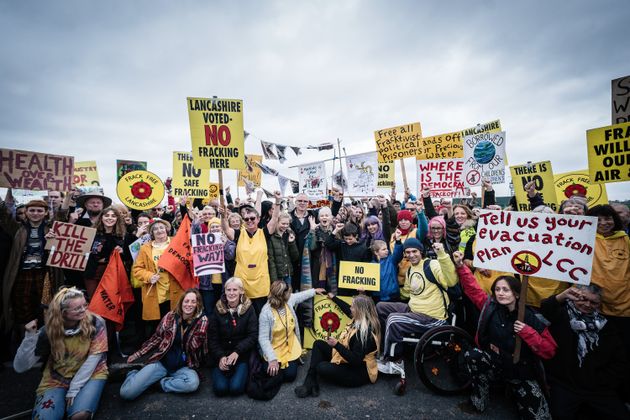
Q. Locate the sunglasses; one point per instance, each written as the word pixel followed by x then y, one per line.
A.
pixel 249 219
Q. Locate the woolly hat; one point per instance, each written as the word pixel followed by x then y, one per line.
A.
pixel 405 215
pixel 413 243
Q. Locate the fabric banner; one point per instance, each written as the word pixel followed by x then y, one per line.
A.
pixel 123 167
pixel 114 295
pixel 484 158
pixel 296 150
pixel 313 180
pixel 267 149
pixel 35 171
pixel 281 151
pixel 329 320
pixel 578 183
pixel 282 182
pixel 187 180
pixel 295 186
pixel 398 142
pixel 266 169
pixel 362 173
pixel 609 153
pixel 541 174
pixel 216 131
pixel 551 246
pixel 71 246
pixel 340 180
pixel 207 254
pixel 443 176
pixel 177 259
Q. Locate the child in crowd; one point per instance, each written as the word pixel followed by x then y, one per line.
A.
pixel 390 290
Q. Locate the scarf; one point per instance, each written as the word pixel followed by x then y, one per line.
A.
pixel 587 328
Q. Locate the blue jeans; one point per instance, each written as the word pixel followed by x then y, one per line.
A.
pixel 183 380
pixel 208 301
pixel 289 373
pixel 223 385
pixel 52 403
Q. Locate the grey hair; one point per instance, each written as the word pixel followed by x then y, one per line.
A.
pixel 237 281
pixel 593 288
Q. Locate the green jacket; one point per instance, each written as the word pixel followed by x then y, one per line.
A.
pixel 282 255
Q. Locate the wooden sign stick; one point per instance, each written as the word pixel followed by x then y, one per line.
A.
pixel 404 174
pixel 521 316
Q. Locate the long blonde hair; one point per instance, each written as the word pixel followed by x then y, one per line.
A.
pixel 366 319
pixel 54 320
pixel 279 294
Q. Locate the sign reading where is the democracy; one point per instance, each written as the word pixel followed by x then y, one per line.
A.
pixel 542 176
pixel 551 246
pixel 86 174
pixel 621 100
pixel 187 180
pixel 216 130
pixel 578 183
pixel 70 247
pixel 609 153
pixel 386 175
pixel 398 142
pixel 442 146
pixel 35 171
pixel 356 275
pixel 140 190
pixel 484 158
pixel 207 253
pixel 443 176
pixel 328 320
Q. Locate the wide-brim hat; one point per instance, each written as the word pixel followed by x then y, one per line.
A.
pixel 82 199
pixel 158 220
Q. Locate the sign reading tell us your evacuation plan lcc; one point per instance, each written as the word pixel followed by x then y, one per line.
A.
pixel 216 129
pixel 355 275
pixel 609 153
pixel 398 142
pixel 551 246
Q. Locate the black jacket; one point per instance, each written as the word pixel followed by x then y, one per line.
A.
pixel 229 333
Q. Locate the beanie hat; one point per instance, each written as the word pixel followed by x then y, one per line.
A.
pixel 413 243
pixel 214 221
pixel 405 215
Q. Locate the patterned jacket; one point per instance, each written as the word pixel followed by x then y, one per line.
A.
pixel 195 343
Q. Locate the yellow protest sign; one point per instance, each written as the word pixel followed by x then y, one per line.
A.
pixel 609 153
pixel 85 174
pixel 356 275
pixel 579 183
pixel 442 146
pixel 140 190
pixel 542 175
pixel 187 180
pixel 213 191
pixel 489 127
pixel 216 130
pixel 328 320
pixel 386 175
pixel 252 172
pixel 398 142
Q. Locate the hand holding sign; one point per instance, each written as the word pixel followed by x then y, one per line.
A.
pixel 458 258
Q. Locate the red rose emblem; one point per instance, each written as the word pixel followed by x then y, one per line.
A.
pixel 330 322
pixel 141 190
pixel 575 189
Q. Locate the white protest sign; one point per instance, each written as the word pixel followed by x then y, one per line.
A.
pixel 362 173
pixel 484 158
pixel 207 253
pixel 551 246
pixel 313 180
pixel 443 176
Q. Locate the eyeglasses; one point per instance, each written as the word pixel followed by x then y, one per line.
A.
pixel 301 201
pixel 78 309
pixel 436 228
pixel 249 219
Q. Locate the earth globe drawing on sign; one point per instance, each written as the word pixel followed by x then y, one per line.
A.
pixel 484 152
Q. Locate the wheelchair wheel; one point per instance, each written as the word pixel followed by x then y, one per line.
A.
pixel 439 359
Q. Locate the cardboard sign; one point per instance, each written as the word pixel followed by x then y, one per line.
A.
pixel 609 153
pixel 361 172
pixel 125 166
pixel 579 183
pixel 542 175
pixel 489 127
pixel 551 246
pixel 216 130
pixel 187 180
pixel 442 146
pixel 140 190
pixel 71 246
pixel 207 254
pixel 621 100
pixel 313 180
pixel 328 321
pixel 35 171
pixel 252 173
pixel 484 158
pixel 386 175
pixel 398 142
pixel 85 174
pixel 443 176
pixel 356 275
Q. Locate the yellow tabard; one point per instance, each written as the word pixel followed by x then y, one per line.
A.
pixel 369 359
pixel 251 264
pixel 283 339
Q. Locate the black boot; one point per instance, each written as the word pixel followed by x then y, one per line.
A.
pixel 315 387
pixel 306 389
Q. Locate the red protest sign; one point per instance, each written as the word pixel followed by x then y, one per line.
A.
pixel 70 247
pixel 35 171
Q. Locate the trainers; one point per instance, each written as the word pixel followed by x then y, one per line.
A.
pixel 391 367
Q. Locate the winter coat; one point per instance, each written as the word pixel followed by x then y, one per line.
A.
pixel 283 255
pixel 229 333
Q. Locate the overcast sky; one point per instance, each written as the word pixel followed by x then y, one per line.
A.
pixel 108 80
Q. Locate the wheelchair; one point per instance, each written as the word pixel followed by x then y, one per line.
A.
pixel 438 359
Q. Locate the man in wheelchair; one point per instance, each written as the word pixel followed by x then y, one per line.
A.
pixel 427 282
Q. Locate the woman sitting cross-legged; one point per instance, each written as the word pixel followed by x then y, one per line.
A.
pixel 232 336
pixel 351 360
pixel 176 349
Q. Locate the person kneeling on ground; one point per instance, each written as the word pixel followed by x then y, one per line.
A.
pixel 74 341
pixel 232 336
pixel 351 360
pixel 177 347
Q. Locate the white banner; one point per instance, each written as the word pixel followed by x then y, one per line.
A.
pixel 551 246
pixel 313 180
pixel 484 158
pixel 362 173
pixel 443 176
